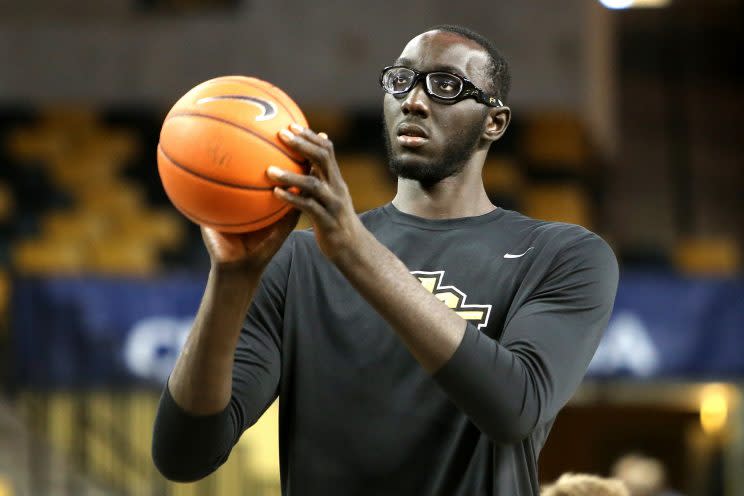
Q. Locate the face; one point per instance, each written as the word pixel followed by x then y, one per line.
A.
pixel 428 139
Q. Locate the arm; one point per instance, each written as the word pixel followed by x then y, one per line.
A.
pixel 545 348
pixel 201 381
pixel 214 391
pixel 505 389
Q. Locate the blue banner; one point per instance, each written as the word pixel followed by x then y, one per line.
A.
pixel 667 326
pixel 102 332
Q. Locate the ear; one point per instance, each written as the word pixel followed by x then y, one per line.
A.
pixel 497 121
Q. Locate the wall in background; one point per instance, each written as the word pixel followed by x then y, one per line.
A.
pixel 322 52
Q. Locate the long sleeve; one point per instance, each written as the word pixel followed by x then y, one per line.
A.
pixel 189 447
pixel 511 386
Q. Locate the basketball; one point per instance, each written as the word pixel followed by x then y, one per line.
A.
pixel 215 146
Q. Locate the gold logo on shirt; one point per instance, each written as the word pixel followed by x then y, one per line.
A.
pixel 453 298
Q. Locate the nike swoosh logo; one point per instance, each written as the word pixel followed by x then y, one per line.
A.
pixel 509 255
pixel 268 109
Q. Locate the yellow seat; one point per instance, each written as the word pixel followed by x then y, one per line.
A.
pixel 368 183
pixel 124 257
pixel 501 175
pixel 163 228
pixel 68 116
pixel 74 144
pixel 117 144
pixel 78 172
pixel 7 203
pixel 718 256
pixel 113 198
pixel 555 141
pixel 47 257
pixel 5 288
pixel 562 203
pixel 83 226
pixel 334 123
pixel 32 143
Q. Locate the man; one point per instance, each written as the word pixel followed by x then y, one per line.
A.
pixel 385 390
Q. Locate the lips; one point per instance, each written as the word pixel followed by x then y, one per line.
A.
pixel 412 135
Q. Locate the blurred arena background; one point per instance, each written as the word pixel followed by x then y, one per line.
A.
pixel 626 121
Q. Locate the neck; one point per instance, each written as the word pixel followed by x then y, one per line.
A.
pixel 457 196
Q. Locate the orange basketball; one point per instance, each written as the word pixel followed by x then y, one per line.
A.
pixel 215 145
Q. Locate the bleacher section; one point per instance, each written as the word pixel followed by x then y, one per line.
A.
pixel 107 228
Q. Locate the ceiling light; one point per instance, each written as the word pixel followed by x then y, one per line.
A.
pixel 631 4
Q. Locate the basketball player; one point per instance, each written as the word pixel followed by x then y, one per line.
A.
pixel 422 348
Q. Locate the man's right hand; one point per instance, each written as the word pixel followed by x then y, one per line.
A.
pixel 249 252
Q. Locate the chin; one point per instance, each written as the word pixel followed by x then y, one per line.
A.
pixel 420 170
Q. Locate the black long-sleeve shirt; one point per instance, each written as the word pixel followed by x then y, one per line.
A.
pixel 358 415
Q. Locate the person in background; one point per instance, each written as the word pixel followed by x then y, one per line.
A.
pixel 643 475
pixel 585 485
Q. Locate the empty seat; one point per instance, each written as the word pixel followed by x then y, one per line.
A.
pixel 68 116
pixel 563 203
pixel 4 294
pixel 334 123
pixel 718 256
pixel 113 198
pixel 31 143
pixel 163 228
pixel 81 226
pixel 555 140
pixel 124 257
pixel 7 203
pixel 501 175
pixel 368 183
pixel 47 257
pixel 78 172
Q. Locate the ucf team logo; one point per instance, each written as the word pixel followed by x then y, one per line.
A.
pixel 453 298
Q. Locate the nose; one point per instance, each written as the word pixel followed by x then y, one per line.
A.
pixel 416 101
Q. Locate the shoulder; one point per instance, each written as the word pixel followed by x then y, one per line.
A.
pixel 544 231
pixel 560 242
pixel 374 218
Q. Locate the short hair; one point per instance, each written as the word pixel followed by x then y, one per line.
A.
pixel 642 474
pixel 585 485
pixel 499 70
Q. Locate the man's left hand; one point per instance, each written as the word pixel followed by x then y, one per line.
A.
pixel 323 195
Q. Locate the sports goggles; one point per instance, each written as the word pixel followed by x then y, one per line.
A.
pixel 398 79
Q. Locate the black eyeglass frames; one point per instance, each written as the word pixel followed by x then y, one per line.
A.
pixel 397 79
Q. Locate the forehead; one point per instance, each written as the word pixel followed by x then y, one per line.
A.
pixel 443 50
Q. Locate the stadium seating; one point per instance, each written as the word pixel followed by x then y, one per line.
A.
pixel 707 256
pixel 108 228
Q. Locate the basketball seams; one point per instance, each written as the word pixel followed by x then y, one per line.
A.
pixel 237 126
pixel 238 79
pixel 211 179
pixel 200 221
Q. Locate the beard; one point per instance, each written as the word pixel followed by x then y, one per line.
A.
pixel 456 154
